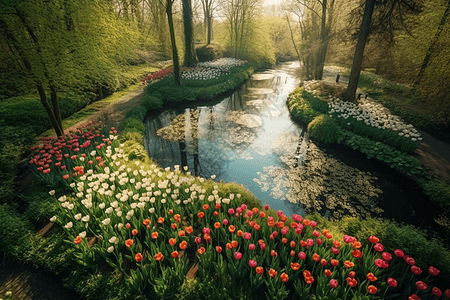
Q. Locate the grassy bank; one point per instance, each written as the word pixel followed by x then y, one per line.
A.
pixel 367 128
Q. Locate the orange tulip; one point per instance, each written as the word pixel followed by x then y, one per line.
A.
pixel 159 256
pixel 205 206
pixel 309 280
pixel 371 277
pixel 272 272
pixel 327 272
pixel 177 218
pixel 283 218
pixel 231 228
pixel 284 277
pixel 217 225
pixel 336 244
pixel 77 240
pixel 240 233
pixel 373 239
pixel 274 253
pixel 271 223
pixel 172 241
pixel 234 244
pixel 356 253
pixel 155 235
pixel 280 224
pixel 181 233
pixel 174 254
pixel 306 273
pixel 303 243
pixel 306 222
pixel 255 210
pixel 183 245
pixel 201 214
pixel 218 249
pixel 189 229
pixel 173 226
pixel 128 243
pixel 292 253
pixel 259 270
pixel 262 214
pixel 356 245
pixel 372 289
pixel 257 227
pixel 229 247
pixel 334 262
pixel 316 257
pixel 329 236
pixel 292 244
pixel 138 257
pixel 146 222
pixel 160 220
pixel 295 266
pixel 260 242
pixel 134 231
pixel 293 225
pixel 351 281
pixel 201 250
pixel 348 264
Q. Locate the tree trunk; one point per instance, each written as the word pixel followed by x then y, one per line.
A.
pixel 176 64
pixel 349 94
pixel 190 58
pixel 431 49
pixel 55 104
pixel 292 38
pixel 51 115
pixel 320 59
pixel 209 36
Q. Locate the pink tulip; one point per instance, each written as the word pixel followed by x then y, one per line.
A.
pixel 252 263
pixel 334 283
pixel 237 255
pixel 251 247
pixel 247 235
pixel 302 255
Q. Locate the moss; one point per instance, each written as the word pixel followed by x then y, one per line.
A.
pixel 438 191
pixel 323 129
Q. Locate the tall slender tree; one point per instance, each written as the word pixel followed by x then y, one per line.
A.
pixel 363 34
pixel 190 57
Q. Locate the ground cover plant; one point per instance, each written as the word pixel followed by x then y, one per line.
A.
pixel 367 127
pixel 147 225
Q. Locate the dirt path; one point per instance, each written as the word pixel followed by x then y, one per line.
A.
pixel 113 114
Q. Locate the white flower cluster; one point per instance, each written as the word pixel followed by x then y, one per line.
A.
pixel 372 114
pixel 107 200
pixel 211 69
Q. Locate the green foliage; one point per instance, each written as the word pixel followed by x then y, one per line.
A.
pixel 14 233
pixel 20 112
pixel 412 241
pixel 323 129
pixel 132 125
pixel 134 150
pixel 137 112
pixel 152 101
pixel 394 158
pixel 438 191
pixel 300 104
pixel 209 52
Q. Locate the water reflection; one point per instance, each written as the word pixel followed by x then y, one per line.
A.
pixel 238 139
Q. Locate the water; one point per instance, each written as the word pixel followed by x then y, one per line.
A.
pixel 247 137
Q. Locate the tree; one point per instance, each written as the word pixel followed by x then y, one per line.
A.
pixel 190 57
pixel 176 64
pixel 433 44
pixel 390 15
pixel 208 12
pixel 349 94
pixel 58 47
pixel 326 22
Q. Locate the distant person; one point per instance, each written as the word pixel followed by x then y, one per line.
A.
pixel 337 77
pixel 359 96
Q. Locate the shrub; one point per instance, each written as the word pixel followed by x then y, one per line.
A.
pixel 14 233
pixel 323 129
pixel 209 52
pixel 132 125
pixel 137 112
pixel 438 191
pixel 152 102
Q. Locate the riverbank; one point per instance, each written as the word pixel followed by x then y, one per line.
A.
pixel 389 234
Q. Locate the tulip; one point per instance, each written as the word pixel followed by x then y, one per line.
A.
pixel 392 282
pixel 386 256
pixel 437 292
pixel 372 289
pixel 198 240
pixel 433 271
pixel 284 277
pixel 252 263
pixel 138 257
pixel 416 270
pixel 302 255
pixel 251 247
pixel 334 283
pixel 259 270
pixel 421 285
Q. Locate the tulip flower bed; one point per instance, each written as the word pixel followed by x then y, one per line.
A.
pixel 150 224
